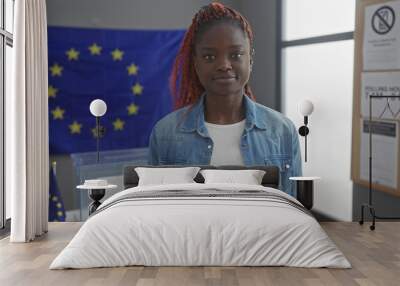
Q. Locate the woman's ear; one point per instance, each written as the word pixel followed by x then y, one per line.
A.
pixel 251 58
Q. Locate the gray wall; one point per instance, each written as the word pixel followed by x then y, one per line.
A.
pixel 162 14
pixel 125 14
pixel 263 18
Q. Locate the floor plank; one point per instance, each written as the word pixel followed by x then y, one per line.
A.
pixel 374 255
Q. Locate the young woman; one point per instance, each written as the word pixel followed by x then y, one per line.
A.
pixel 217 121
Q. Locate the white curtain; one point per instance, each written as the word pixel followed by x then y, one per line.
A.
pixel 27 155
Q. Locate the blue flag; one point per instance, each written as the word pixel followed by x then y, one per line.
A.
pixel 56 205
pixel 127 69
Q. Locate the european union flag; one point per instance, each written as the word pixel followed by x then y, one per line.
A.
pixel 56 205
pixel 127 69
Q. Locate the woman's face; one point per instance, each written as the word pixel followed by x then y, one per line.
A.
pixel 222 59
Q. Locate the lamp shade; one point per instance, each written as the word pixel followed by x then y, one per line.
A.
pixel 306 107
pixel 98 107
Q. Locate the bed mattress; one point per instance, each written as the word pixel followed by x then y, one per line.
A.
pixel 201 225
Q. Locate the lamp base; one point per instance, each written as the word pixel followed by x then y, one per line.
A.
pixel 96 195
pixel 303 130
pixel 305 193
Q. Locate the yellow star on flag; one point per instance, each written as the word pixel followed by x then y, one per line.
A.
pixel 60 213
pixel 72 54
pixel 117 55
pixel 118 124
pixel 95 49
pixel 54 198
pixel 59 205
pixel 132 109
pixel 58 113
pixel 137 89
pixel 52 91
pixel 56 69
pixel 132 69
pixel 75 128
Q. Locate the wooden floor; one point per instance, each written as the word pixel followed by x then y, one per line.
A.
pixel 374 255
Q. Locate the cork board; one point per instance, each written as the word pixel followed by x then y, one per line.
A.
pixel 365 68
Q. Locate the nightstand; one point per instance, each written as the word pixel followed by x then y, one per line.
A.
pixel 110 168
pixel 305 190
pixel 97 190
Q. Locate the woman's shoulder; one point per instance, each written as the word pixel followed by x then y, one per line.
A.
pixel 272 117
pixel 171 120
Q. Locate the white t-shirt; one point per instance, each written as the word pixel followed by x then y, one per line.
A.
pixel 226 139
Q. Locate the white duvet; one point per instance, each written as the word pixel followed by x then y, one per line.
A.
pixel 200 231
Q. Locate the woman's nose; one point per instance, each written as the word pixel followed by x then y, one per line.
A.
pixel 224 64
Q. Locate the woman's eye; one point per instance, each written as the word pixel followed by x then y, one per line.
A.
pixel 209 57
pixel 236 55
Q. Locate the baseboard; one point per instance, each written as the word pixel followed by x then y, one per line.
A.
pixel 322 217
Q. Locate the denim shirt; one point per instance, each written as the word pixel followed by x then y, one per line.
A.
pixel 269 138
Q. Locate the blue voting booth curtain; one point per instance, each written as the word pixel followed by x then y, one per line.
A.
pixel 56 205
pixel 128 69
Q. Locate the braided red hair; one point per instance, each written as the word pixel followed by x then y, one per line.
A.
pixel 185 85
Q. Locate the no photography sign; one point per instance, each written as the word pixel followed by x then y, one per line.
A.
pixel 381 46
pixel 383 20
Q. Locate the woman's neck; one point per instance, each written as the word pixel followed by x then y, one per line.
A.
pixel 224 109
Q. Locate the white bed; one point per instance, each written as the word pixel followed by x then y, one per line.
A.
pixel 185 230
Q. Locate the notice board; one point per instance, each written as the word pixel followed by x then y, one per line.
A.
pixel 377 72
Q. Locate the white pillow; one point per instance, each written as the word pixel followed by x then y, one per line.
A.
pixel 163 176
pixel 248 177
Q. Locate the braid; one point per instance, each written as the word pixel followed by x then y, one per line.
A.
pixel 185 85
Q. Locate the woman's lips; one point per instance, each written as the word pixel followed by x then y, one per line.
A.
pixel 225 79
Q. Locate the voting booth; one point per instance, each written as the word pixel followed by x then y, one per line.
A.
pixel 109 167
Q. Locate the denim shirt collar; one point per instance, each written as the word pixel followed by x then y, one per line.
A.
pixel 194 117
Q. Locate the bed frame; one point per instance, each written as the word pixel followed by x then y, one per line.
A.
pixel 270 179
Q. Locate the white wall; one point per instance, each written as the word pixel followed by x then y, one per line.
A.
pixel 323 73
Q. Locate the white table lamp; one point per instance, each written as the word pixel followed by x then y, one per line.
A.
pixel 98 108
